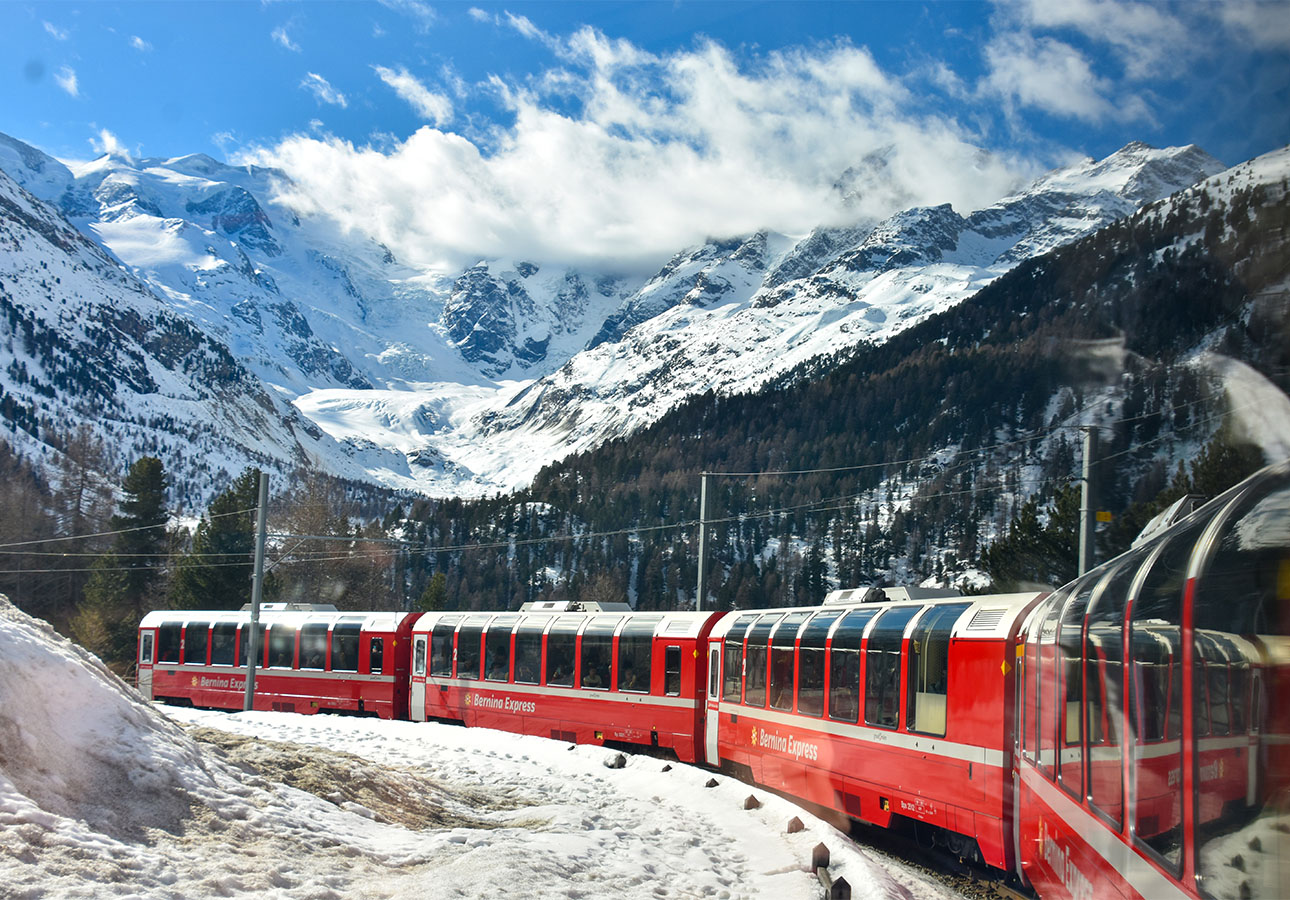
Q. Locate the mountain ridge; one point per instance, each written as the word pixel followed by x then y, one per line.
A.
pixel 468 383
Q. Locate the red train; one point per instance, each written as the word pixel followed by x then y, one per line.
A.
pixel 1124 736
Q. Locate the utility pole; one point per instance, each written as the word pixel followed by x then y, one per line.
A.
pixel 703 540
pixel 257 592
pixel 1087 499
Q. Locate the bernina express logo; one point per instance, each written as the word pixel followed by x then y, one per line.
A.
pixel 789 746
pixel 501 704
pixel 1059 860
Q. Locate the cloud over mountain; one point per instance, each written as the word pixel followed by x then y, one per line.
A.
pixel 614 147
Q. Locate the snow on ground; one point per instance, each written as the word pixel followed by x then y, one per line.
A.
pixel 104 795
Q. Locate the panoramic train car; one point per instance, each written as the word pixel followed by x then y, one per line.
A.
pixel 312 659
pixel 604 676
pixel 901 709
pixel 1154 740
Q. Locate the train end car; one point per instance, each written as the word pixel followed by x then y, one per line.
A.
pixel 311 658
pixel 604 676
pixel 1153 749
pixel 886 712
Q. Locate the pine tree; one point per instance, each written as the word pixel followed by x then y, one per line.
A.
pixel 435 596
pixel 124 581
pixel 217 573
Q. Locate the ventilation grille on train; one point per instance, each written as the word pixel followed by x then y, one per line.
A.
pixel 986 619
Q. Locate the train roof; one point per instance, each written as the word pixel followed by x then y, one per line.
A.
pixel 273 614
pixel 680 624
pixel 986 616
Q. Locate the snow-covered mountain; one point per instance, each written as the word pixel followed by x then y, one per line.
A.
pixel 86 341
pixel 731 316
pixel 467 382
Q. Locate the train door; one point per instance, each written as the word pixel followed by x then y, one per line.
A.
pixel 418 712
pixel 712 756
pixel 144 678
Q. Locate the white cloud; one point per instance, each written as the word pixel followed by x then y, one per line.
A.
pixel 421 13
pixel 58 34
pixel 434 108
pixel 1049 75
pixel 280 35
pixel 107 143
pixel 140 44
pixel 1266 25
pixel 65 77
pixel 525 26
pixel 1145 37
pixel 480 15
pixel 323 91
pixel 620 156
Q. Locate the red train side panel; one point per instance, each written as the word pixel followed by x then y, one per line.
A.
pixel 311 660
pixel 604 677
pixel 880 710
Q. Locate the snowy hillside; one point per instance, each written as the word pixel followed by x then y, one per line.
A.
pixel 103 795
pixel 468 382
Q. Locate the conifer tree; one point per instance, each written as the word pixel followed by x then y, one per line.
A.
pixel 217 573
pixel 125 580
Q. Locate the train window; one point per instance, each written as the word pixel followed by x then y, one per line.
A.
pixel 1156 704
pixel 282 647
pixel 672 672
pixel 196 642
pixel 244 644
pixel 882 667
pixel 1210 660
pixel 313 646
pixel 734 662
pixel 810 663
pixel 376 656
pixel 441 646
pixel 528 649
pixel 561 644
pixel 1070 691
pixel 1241 609
pixel 783 654
pixel 145 647
pixel 844 665
pixel 598 652
pixel 635 654
pixel 929 668
pixel 469 638
pixel 1104 688
pixel 223 643
pixel 1046 699
pixel 419 655
pixel 1028 679
pixel 344 646
pixel 755 664
pixel 169 640
pixel 497 648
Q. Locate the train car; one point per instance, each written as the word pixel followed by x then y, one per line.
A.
pixel 1153 751
pixel 312 659
pixel 898 711
pixel 603 676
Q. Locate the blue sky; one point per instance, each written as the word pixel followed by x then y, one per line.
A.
pixel 527 125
